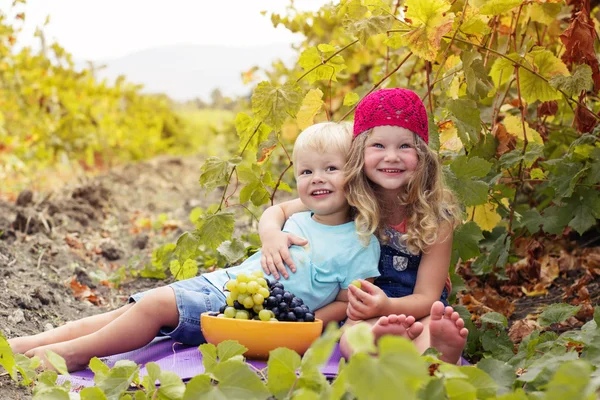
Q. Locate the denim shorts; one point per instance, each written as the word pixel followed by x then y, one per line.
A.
pixel 194 296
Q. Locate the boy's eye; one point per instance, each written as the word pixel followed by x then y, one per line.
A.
pixel 306 172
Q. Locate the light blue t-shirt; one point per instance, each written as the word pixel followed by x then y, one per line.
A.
pixel 333 257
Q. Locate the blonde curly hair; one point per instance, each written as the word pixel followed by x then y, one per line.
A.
pixel 427 201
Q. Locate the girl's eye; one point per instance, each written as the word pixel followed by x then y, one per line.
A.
pixel 306 172
pixel 405 146
pixel 378 145
pixel 331 168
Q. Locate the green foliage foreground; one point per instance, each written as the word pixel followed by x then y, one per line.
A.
pixel 546 366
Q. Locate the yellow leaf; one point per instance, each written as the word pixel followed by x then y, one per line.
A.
pixel 514 127
pixel 430 21
pixel 449 139
pixel 475 24
pixel 350 99
pixel 311 105
pixel 485 216
pixel 537 173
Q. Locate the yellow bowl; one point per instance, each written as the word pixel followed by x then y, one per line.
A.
pixel 260 337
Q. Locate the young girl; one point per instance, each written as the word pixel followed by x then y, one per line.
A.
pixel 320 153
pixel 395 182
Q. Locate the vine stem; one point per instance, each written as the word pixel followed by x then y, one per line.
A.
pixel 375 86
pixel 525 142
pixel 279 182
pixel 326 60
pixel 566 96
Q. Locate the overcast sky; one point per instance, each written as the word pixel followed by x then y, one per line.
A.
pixel 106 29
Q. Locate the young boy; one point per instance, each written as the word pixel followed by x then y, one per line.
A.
pixel 324 270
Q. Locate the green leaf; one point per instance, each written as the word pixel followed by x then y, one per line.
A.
pixel 498 344
pixel 252 132
pixel 350 99
pixel 201 387
pixel 556 313
pixel 171 386
pixel 544 367
pixel 473 167
pixel 7 359
pixel 473 192
pixel 361 339
pixel 478 82
pixel 229 349
pixel 321 349
pixel 433 390
pixel 502 373
pixel 57 362
pixel 533 87
pixel 274 104
pixel 430 20
pixel 580 80
pixel 92 393
pixel 460 389
pixel 52 393
pixel 117 381
pixel 466 240
pixel 465 115
pixel 215 173
pixel 365 28
pixel 503 68
pixel 311 58
pixel 486 387
pixel 564 177
pixel 98 367
pixel 532 220
pixel 209 356
pixel 214 229
pixel 281 370
pixel 188 270
pixel 495 319
pixel 585 208
pixel 556 219
pixel 571 381
pixel 232 250
pixel 238 381
pixel 149 381
pixel 496 7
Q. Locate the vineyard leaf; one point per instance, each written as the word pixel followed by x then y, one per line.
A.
pixel 266 147
pixel 434 135
pixel 537 173
pixel 580 80
pixel 471 192
pixel 214 173
pixel 251 132
pixel 273 104
pixel 503 68
pixel 311 58
pixel 460 389
pixel 149 381
pixel 201 387
pixel 52 393
pixel 281 370
pixel 171 386
pixel 430 21
pixel 498 344
pixel 466 240
pixel 321 349
pixel 7 359
pixel 449 139
pixel 360 338
pixel 534 88
pixel 433 390
pixel 229 349
pixel 188 270
pixel 238 381
pixel 485 216
pixel 555 219
pixel 365 28
pixel 483 383
pixel 571 381
pixel 187 247
pixel 351 99
pixel 311 105
pixel 497 256
pixel 465 115
pixel 555 313
pixel 532 220
pixel 478 82
pixel 209 356
pixel 57 362
pixel 544 367
pixel 514 126
pixel 495 319
pixel 502 373
pixel 475 24
pixel 469 168
pixel 511 159
pixel 564 177
pixel 260 196
pixel 544 13
pixel 352 9
pixel 118 379
pixel 88 393
pixel 214 229
pixel 232 250
pixel 585 207
pixel 496 7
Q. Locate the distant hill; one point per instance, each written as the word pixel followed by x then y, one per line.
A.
pixel 188 71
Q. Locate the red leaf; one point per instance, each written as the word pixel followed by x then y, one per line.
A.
pixel 584 119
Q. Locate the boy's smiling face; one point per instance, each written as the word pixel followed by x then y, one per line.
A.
pixel 320 179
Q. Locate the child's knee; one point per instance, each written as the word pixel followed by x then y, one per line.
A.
pixel 160 303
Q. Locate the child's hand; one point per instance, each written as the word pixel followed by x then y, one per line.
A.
pixel 275 252
pixel 367 302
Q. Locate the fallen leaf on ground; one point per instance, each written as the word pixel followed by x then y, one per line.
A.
pixel 521 328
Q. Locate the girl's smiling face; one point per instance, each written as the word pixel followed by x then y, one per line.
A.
pixel 390 157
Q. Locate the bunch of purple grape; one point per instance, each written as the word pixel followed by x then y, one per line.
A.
pixel 285 306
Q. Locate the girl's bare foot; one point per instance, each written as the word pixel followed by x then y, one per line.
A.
pixel 397 325
pixel 21 345
pixel 447 331
pixel 74 361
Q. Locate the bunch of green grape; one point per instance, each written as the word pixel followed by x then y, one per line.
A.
pixel 254 297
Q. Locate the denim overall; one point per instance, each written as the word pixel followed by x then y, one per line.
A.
pixel 398 268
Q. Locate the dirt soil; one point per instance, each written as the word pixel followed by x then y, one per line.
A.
pixel 54 246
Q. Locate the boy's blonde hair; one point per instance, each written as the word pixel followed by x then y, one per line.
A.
pixel 427 201
pixel 324 137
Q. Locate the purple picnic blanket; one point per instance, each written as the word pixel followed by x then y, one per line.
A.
pixel 185 361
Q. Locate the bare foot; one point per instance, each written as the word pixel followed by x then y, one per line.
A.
pixel 74 361
pixel 447 331
pixel 397 325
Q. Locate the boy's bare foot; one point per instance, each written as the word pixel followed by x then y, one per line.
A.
pixel 397 325
pixel 74 361
pixel 447 331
